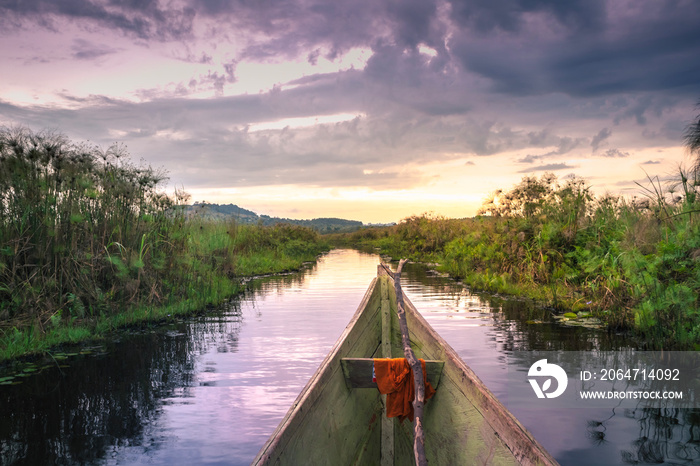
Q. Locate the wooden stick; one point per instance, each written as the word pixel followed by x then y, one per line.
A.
pixel 419 400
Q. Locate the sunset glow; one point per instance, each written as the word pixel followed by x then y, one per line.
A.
pixel 361 110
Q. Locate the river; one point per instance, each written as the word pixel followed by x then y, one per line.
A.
pixel 210 389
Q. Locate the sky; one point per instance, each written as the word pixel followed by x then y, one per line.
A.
pixel 362 109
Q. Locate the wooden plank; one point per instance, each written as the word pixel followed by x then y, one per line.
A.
pixel 358 372
pixel 387 424
pixel 386 321
pixel 383 270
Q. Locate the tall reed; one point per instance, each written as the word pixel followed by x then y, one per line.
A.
pixel 82 232
pixel 89 241
pixel 634 262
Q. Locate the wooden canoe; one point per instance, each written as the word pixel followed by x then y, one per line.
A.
pixel 335 421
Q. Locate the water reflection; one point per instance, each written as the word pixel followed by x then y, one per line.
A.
pixel 211 389
pixel 514 322
pixel 666 435
pixel 487 331
pixel 78 413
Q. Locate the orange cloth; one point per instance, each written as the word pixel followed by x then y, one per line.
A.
pixel 395 380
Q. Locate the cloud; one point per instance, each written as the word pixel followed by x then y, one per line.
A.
pixel 539 77
pixel 548 168
pixel 578 48
pixel 174 131
pixel 395 132
pixel 564 145
pixel 144 19
pixel 214 81
pixel 615 153
pixel 414 22
pixel 85 50
pixel 487 16
pixel 540 138
pixel 293 28
pixel 189 56
pixel 602 135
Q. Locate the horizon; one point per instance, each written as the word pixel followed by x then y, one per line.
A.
pixel 362 110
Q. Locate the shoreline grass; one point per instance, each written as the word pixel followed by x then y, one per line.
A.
pixel 633 263
pixel 89 243
pixel 21 341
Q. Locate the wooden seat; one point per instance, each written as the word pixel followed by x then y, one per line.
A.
pixel 358 372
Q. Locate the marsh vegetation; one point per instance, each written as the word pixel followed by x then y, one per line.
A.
pixel 635 263
pixel 89 241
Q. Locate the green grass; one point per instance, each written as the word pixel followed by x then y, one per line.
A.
pixel 209 266
pixel 89 243
pixel 634 263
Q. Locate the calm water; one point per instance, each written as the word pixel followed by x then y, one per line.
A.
pixel 211 389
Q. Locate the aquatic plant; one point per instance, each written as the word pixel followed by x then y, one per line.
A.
pixel 634 263
pixel 90 240
pixel 691 138
pixel 79 226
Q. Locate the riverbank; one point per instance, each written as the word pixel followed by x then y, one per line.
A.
pixel 219 264
pixel 177 385
pixel 633 264
pixel 89 242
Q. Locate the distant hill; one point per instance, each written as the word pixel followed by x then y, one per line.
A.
pixel 232 211
pixel 221 212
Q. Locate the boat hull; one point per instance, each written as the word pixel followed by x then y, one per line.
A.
pixel 332 423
